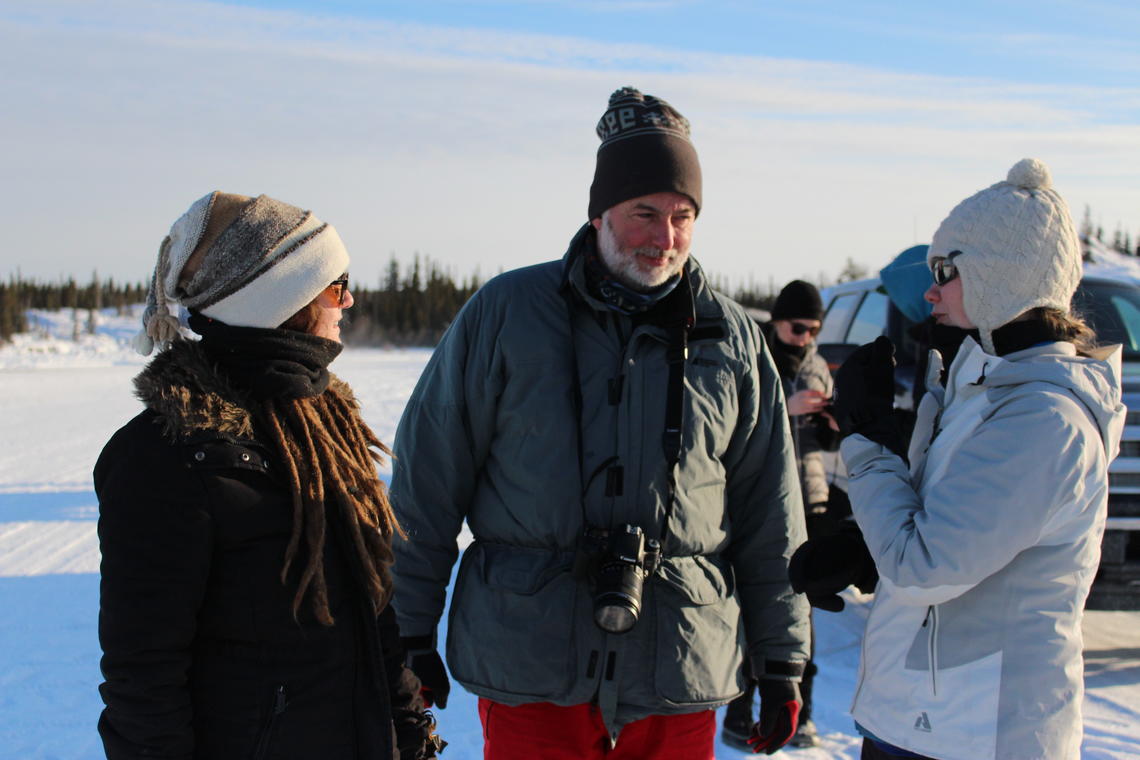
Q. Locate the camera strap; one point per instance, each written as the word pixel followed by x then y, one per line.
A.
pixel 672 438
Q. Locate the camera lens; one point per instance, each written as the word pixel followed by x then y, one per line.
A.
pixel 614 618
pixel 617 600
pixel 619 578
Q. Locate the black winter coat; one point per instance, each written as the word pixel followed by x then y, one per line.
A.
pixel 202 655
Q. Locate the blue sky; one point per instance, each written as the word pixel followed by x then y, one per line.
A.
pixel 464 130
pixel 1045 41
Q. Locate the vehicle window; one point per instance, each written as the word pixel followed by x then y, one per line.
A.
pixel 837 317
pixel 871 319
pixel 898 330
pixel 1113 311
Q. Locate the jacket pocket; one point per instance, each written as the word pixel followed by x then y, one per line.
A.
pixel 699 639
pixel 512 620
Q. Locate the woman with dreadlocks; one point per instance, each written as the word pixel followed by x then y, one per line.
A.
pixel 245 535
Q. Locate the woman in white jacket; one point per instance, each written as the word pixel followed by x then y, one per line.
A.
pixel 987 542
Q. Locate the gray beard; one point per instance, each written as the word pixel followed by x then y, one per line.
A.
pixel 621 264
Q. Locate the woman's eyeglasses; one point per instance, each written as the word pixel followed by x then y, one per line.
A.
pixel 944 271
pixel 340 289
pixel 799 328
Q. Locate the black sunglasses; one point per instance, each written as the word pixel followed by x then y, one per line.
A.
pixel 799 328
pixel 340 288
pixel 944 270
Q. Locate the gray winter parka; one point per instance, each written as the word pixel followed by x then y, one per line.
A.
pixel 811 374
pixel 491 435
pixel 986 548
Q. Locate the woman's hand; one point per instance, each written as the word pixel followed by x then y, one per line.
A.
pixel 807 401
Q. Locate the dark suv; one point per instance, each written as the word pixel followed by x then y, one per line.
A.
pixel 858 312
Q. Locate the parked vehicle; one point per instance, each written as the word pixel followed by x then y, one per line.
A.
pixel 858 312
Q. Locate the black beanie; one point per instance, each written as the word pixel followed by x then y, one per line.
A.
pixel 798 300
pixel 645 149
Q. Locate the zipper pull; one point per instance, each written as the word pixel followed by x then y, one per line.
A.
pixel 279 701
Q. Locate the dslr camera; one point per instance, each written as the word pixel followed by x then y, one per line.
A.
pixel 617 562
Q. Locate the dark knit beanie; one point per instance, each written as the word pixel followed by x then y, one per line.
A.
pixel 798 300
pixel 645 149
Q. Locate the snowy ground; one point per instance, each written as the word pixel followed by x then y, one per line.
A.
pixel 59 403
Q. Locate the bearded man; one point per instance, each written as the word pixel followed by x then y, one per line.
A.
pixel 615 435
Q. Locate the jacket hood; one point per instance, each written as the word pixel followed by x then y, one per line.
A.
pixel 1094 380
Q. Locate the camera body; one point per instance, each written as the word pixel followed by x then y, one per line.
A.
pixel 618 562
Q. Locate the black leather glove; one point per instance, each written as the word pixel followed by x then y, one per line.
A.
pixel 780 705
pixel 865 395
pixel 422 658
pixel 824 566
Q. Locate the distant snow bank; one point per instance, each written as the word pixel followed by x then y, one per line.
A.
pixel 50 340
pixel 1102 261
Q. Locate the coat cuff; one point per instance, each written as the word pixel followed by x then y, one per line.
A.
pixel 777 670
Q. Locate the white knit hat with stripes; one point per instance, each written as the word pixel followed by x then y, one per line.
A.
pixel 247 262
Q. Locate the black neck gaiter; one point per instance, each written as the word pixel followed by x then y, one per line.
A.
pixel 270 363
pixel 1017 336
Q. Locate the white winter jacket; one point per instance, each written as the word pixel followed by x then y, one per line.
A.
pixel 986 547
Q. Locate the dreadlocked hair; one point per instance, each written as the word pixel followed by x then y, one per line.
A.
pixel 330 456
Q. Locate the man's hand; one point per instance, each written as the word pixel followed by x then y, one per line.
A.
pixel 780 705
pixel 806 401
pixel 422 658
pixel 824 566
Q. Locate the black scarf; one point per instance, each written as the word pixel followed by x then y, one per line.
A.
pixel 788 359
pixel 269 363
pixel 1017 336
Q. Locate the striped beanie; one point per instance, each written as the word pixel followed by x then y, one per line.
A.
pixel 645 149
pixel 246 262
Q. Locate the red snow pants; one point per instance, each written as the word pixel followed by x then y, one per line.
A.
pixel 551 732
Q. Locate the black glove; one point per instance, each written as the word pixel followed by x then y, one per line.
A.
pixel 824 566
pixel 865 395
pixel 422 658
pixel 415 735
pixel 780 705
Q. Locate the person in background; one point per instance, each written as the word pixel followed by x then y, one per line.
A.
pixel 987 543
pixel 790 336
pixel 246 538
pixel 614 434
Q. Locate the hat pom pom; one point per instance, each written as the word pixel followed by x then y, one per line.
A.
pixel 142 343
pixel 626 94
pixel 1030 174
pixel 160 330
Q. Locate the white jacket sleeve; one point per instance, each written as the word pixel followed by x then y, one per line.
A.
pixel 1018 477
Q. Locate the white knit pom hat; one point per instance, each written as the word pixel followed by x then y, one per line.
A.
pixel 1018 248
pixel 247 262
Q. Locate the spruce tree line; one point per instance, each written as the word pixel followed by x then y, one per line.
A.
pixel 20 294
pixel 12 318
pixel 409 308
pixel 411 305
